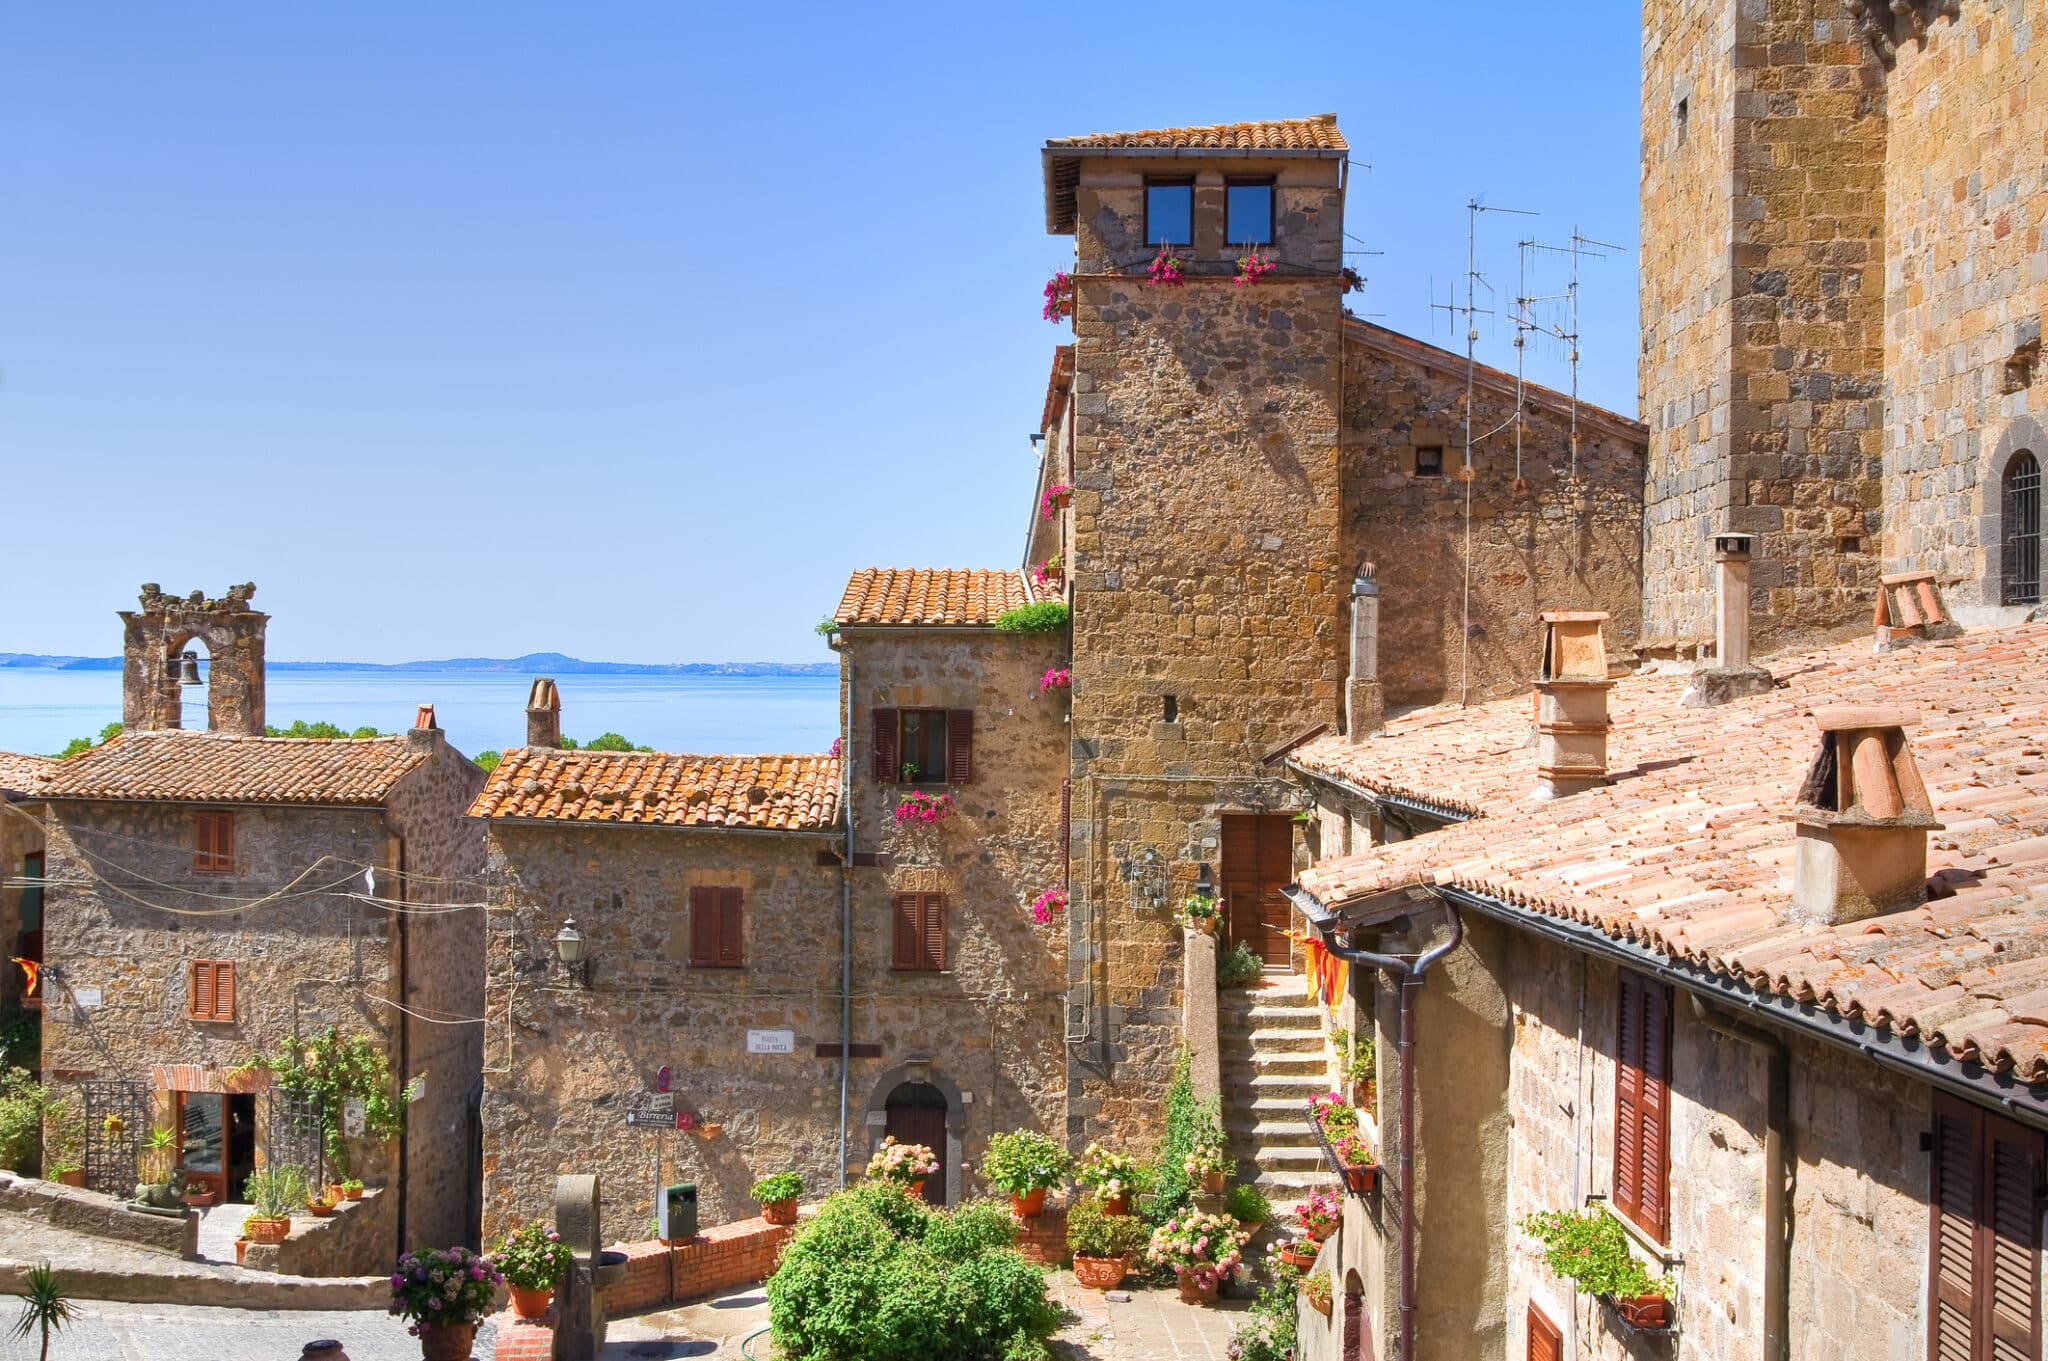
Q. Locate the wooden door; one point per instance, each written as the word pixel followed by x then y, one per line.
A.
pixel 917 1115
pixel 1258 861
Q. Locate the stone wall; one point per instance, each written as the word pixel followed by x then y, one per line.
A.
pixel 1542 538
pixel 157 634
pixel 1966 280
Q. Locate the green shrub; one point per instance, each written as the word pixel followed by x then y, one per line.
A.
pixel 1092 1233
pixel 777 1186
pixel 978 1226
pixel 1047 616
pixel 1171 1189
pixel 1268 1332
pixel 23 1103
pixel 906 1216
pixel 488 761
pixel 1241 965
pixel 322 729
pixel 1025 1161
pixel 1247 1205
pixel 1591 1248
pixel 1002 1306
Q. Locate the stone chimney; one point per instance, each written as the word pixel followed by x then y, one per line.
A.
pixel 1365 707
pixel 544 714
pixel 1733 675
pixel 1863 817
pixel 1571 704
pixel 425 733
pixel 1909 609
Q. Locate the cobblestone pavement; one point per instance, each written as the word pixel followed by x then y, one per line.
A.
pixel 105 1331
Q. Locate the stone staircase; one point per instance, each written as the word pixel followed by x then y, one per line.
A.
pixel 1270 1040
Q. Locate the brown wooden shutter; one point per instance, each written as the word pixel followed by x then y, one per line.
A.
pixel 704 928
pixel 224 991
pixel 959 746
pixel 1628 1099
pixel 731 949
pixel 1952 1253
pixel 1546 1342
pixel 904 912
pixel 2011 1264
pixel 1642 1104
pixel 932 930
pixel 200 992
pixel 885 746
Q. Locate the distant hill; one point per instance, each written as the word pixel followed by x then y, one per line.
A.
pixel 533 663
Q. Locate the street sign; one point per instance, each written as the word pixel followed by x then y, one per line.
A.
pixel 771 1041
pixel 653 1110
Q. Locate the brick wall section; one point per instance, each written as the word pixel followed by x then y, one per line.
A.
pixel 1043 1237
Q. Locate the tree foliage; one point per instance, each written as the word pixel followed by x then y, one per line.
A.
pixel 1047 616
pixel 487 761
pixel 79 744
pixel 301 728
pixel 339 1067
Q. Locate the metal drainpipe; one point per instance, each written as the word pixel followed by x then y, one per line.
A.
pixel 1778 1173
pixel 838 644
pixel 1410 972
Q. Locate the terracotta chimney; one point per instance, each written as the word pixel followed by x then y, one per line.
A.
pixel 544 714
pixel 1365 708
pixel 425 733
pixel 1571 704
pixel 1863 817
pixel 1909 609
pixel 1733 675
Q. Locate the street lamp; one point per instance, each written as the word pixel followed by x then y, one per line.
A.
pixel 569 948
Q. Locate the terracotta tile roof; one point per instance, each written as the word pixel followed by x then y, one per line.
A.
pixel 657 789
pixel 205 767
pixel 1314 136
pixel 21 773
pixel 1689 850
pixel 953 596
pixel 1057 388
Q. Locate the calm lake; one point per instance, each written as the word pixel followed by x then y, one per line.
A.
pixel 42 709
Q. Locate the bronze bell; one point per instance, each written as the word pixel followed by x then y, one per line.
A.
pixel 188 669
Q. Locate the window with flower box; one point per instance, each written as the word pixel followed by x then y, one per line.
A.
pixel 923 746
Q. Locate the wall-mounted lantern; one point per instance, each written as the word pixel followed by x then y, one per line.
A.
pixel 571 948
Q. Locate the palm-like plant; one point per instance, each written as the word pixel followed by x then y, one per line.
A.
pixel 44 1306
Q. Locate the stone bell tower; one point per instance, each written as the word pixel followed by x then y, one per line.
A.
pixel 154 646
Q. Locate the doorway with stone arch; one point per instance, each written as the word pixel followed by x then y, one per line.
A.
pixel 916 1104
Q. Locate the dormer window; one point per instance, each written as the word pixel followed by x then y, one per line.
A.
pixel 1248 213
pixel 1169 212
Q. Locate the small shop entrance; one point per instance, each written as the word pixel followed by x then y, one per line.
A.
pixel 217 1140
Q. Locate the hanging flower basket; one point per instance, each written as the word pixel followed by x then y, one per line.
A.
pixel 1056 678
pixel 1057 498
pixel 1059 297
pixel 1253 266
pixel 1166 268
pixel 1045 904
pixel 919 807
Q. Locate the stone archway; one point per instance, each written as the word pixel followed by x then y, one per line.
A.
pixel 915 1074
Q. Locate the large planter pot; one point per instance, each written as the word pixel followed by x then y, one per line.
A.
pixel 75 1177
pixel 1101 1273
pixel 916 1188
pixel 269 1230
pixel 532 1304
pixel 1190 1293
pixel 1213 1183
pixel 1029 1205
pixel 1297 1256
pixel 450 1342
pixel 1116 1205
pixel 1645 1311
pixel 780 1211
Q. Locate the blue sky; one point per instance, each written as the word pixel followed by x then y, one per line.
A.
pixel 628 330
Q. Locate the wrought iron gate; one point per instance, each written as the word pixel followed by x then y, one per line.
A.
pixel 298 1134
pixel 2022 524
pixel 116 1119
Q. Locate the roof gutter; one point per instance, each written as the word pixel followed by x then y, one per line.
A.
pixel 1412 803
pixel 584 825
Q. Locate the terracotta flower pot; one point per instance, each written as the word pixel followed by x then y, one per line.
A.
pixel 780 1211
pixel 1362 1178
pixel 356 1194
pixel 335 1195
pixel 1213 1183
pixel 1101 1273
pixel 1116 1205
pixel 1322 1306
pixel 1298 1257
pixel 74 1177
pixel 1190 1293
pixel 917 1187
pixel 319 1209
pixel 450 1342
pixel 1646 1311
pixel 532 1304
pixel 268 1230
pixel 241 1250
pixel 1029 1205
pixel 201 1200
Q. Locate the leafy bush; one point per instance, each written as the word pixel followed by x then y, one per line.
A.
pixel 1241 965
pixel 1171 1189
pixel 1247 1205
pixel 611 741
pixel 338 1067
pixel 872 1277
pixel 1591 1249
pixel 533 1257
pixel 1092 1233
pixel 301 728
pixel 1047 616
pixel 777 1186
pixel 23 1103
pixel 1268 1332
pixel 81 744
pixel 1024 1162
pixel 488 761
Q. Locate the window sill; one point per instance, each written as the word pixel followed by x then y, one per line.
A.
pixel 210 1020
pixel 913 969
pixel 1639 1235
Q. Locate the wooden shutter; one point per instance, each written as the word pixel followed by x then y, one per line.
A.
pixel 213 842
pixel 224 990
pixel 904 913
pixel 885 746
pixel 1642 1104
pixel 704 928
pixel 200 992
pixel 959 746
pixel 210 990
pixel 2010 1265
pixel 1546 1342
pixel 932 932
pixel 731 951
pixel 1952 1253
pixel 1985 1242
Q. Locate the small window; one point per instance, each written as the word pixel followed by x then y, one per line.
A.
pixel 1642 1105
pixel 1546 1339
pixel 1248 214
pixel 213 844
pixel 717 929
pixel 210 990
pixel 923 746
pixel 1170 710
pixel 1850 543
pixel 1684 118
pixel 1169 212
pixel 920 930
pixel 1429 460
pixel 2020 581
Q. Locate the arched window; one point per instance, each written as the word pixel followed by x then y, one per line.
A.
pixel 2021 522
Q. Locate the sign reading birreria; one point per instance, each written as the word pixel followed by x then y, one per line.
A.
pixel 653 1109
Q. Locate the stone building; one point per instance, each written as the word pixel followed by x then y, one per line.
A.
pixel 792 1001
pixel 1234 453
pixel 213 895
pixel 21 877
pixel 1842 289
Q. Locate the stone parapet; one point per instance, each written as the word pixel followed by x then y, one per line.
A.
pixel 100 1216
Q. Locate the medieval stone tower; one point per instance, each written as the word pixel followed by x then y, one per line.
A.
pixel 155 641
pixel 1205 583
pixel 1762 365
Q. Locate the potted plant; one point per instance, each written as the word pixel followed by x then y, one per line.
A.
pixel 1102 1243
pixel 322 1205
pixel 1045 904
pixel 906 1164
pixel 1591 1249
pixel 1113 1177
pixel 1059 297
pixel 159 1152
pixel 1248 1206
pixel 1208 1162
pixel 1200 913
pixel 241 1246
pixel 352 1189
pixel 275 1193
pixel 335 1195
pixel 68 1174
pixel 442 1296
pixel 1200 1249
pixel 918 806
pixel 1363 1070
pixel 1166 268
pixel 1056 678
pixel 1338 1125
pixel 1318 1216
pixel 199 1193
pixel 777 1195
pixel 1057 498
pixel 533 1260
pixel 1317 1289
pixel 1299 1253
pixel 1253 266
pixel 1025 1165
pixel 1051 572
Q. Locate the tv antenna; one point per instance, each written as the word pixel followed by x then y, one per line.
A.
pixel 1580 247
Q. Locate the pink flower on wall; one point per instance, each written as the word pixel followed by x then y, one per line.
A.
pixel 1165 268
pixel 1045 904
pixel 1056 678
pixel 1059 297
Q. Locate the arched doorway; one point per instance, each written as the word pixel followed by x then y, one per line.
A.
pixel 917 1115
pixel 2020 530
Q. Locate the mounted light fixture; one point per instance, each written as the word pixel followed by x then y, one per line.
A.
pixel 188 669
pixel 570 948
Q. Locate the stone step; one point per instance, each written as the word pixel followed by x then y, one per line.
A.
pixel 1268 1018
pixel 1274 1039
pixel 1259 1085
pixel 1286 1187
pixel 1299 1160
pixel 1277 1133
pixel 1298 1063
